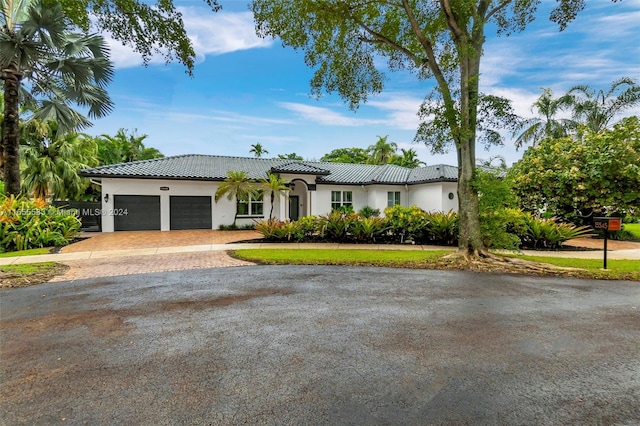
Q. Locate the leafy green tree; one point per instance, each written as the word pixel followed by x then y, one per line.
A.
pixel 46 66
pixel 533 130
pixel 237 185
pixel 258 150
pixel 290 156
pixel 52 160
pixel 408 158
pixel 575 178
pixel 444 40
pixel 125 147
pixel 596 109
pixel 382 152
pixel 347 155
pixel 148 27
pixel 274 186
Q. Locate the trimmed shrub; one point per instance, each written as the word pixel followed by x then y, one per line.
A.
pixel 539 233
pixel 442 228
pixel 367 229
pixel 26 224
pixel 406 223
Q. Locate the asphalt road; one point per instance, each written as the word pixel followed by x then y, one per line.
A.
pixel 321 345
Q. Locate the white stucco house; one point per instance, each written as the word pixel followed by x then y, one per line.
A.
pixel 178 192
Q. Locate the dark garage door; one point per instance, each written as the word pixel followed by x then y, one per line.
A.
pixel 136 212
pixel 190 212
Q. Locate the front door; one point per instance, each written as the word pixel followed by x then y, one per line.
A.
pixel 294 203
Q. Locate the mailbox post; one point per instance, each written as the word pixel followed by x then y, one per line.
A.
pixel 607 224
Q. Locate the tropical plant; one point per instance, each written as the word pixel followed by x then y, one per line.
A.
pixel 347 155
pixel 258 150
pixel 368 211
pixel 336 225
pixel 51 162
pixel 575 178
pixel 290 156
pixel 441 228
pixel 408 158
pixel 345 41
pixel 406 223
pixel 367 229
pixel 236 186
pixel 548 233
pixel 596 109
pixel 26 224
pixel 273 186
pixel 533 130
pixel 497 202
pixel 382 152
pixel 47 66
pixel 124 147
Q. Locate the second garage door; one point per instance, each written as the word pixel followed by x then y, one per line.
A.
pixel 136 212
pixel 189 212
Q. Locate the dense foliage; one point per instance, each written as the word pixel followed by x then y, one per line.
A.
pixel 26 224
pixel 576 178
pixel 413 225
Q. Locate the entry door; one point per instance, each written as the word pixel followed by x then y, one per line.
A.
pixel 294 210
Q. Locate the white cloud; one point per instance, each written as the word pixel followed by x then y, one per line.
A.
pixel 402 110
pixel 325 116
pixel 210 33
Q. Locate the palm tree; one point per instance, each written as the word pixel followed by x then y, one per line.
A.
pixel 125 148
pixel 236 185
pixel 47 66
pixel 258 150
pixel 597 109
pixel 533 130
pixel 52 162
pixel 382 151
pixel 274 186
pixel 409 158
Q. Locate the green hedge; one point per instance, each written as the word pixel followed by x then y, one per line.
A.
pixel 26 224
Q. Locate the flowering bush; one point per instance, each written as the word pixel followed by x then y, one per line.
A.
pixel 26 224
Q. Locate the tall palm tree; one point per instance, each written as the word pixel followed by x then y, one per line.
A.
pixel 274 186
pixel 52 162
pixel 408 158
pixel 596 109
pixel 382 151
pixel 237 185
pixel 47 66
pixel 258 150
pixel 533 130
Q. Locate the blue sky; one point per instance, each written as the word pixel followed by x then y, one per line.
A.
pixel 247 90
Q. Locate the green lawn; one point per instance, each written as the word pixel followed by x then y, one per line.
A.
pixel 29 252
pixel 634 228
pixel 588 268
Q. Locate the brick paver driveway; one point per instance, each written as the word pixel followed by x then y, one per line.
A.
pixel 127 265
pixel 149 239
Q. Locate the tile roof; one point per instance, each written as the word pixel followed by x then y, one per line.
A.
pixel 215 168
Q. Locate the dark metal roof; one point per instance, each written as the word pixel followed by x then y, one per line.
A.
pixel 297 167
pixel 215 168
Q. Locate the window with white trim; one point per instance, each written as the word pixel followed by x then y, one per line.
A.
pixel 393 198
pixel 253 205
pixel 341 198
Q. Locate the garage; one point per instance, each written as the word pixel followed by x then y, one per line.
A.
pixel 190 212
pixel 136 212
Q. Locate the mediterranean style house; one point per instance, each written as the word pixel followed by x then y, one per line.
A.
pixel 178 192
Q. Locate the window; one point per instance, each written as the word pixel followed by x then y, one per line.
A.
pixel 341 198
pixel 251 206
pixel 393 198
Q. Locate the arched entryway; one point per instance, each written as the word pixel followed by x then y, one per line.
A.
pixel 298 199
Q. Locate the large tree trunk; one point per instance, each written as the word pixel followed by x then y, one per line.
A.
pixel 470 237
pixel 11 133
